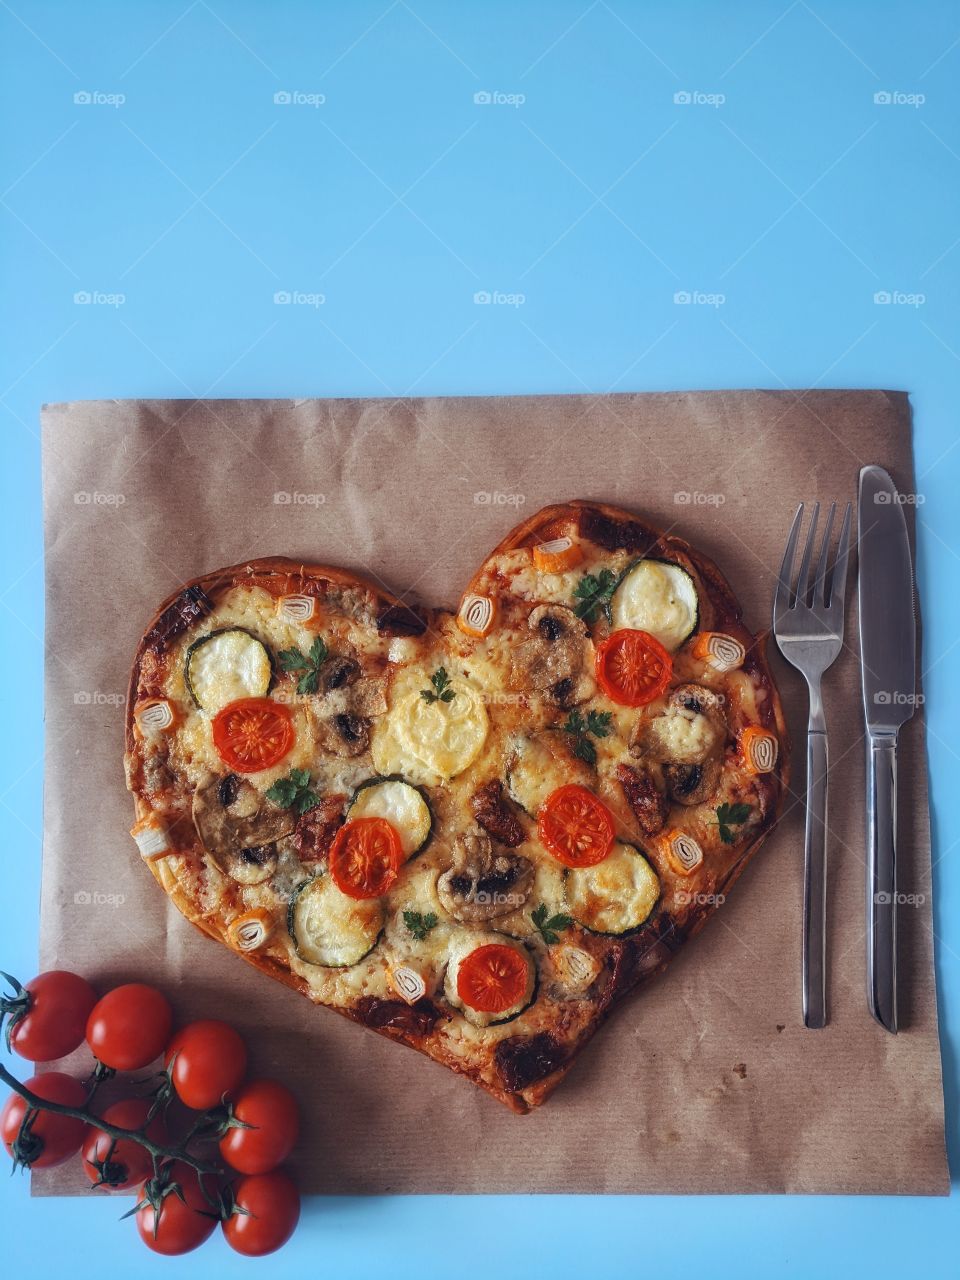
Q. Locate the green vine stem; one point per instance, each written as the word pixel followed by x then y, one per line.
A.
pixel 156 1149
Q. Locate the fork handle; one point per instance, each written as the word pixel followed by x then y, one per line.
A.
pixel 815 877
pixel 882 880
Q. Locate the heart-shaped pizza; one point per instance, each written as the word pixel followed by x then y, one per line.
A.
pixel 472 832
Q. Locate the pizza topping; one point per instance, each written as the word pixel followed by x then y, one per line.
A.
pixel 419 924
pixel 549 926
pixel 250 931
pixel 402 805
pixel 224 666
pixel 489 977
pixel 306 666
pixel 575 970
pixel 758 749
pixel 446 735
pixel 476 615
pixel 683 852
pixel 236 830
pixel 616 896
pixel 557 555
pixel 481 884
pixel 633 668
pixel 155 715
pixel 253 734
pixel 659 598
pixel 408 984
pixel 730 816
pixel 330 928
pixel 400 620
pixel 693 784
pixel 718 650
pixel 690 729
pixel 524 1060
pixel 317 827
pixel 575 826
pixel 365 857
pixel 646 800
pixel 492 811
pixel 552 662
pixel 540 763
pixel 151 838
pixel 189 607
pixel 593 594
pixel 296 609
pixel 595 723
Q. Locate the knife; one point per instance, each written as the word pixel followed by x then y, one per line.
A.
pixel 888 635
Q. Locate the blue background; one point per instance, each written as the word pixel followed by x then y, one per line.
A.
pixel 598 198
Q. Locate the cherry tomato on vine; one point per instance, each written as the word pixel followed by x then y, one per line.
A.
pixel 129 1026
pixel 266 1212
pixel 121 1162
pixel 206 1061
pixel 54 1016
pixel 180 1224
pixel 271 1111
pixel 51 1139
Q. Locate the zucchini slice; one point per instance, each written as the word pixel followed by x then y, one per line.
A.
pixel 616 896
pixel 225 665
pixel 329 928
pixel 659 598
pixel 403 805
pixel 463 944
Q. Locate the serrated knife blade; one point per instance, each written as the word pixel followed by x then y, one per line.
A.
pixel 888 635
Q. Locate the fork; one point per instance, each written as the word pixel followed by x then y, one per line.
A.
pixel 808 626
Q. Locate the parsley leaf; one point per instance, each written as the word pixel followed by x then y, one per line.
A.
pixel 419 925
pixel 441 691
pixel 594 592
pixel 596 723
pixel 307 664
pixel 728 816
pixel 294 792
pixel 551 929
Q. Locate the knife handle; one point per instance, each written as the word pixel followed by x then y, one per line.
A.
pixel 882 880
pixel 815 881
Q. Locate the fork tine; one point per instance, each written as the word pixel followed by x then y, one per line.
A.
pixel 819 587
pixel 784 590
pixel 803 578
pixel 838 575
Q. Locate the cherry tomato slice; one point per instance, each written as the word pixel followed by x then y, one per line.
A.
pixel 493 978
pixel 252 734
pixel 575 826
pixel 633 667
pixel 365 857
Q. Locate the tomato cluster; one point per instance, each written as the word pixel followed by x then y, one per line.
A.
pixel 180 1195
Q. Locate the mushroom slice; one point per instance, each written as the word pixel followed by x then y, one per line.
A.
pixel 237 829
pixel 344 735
pixel 691 784
pixel 482 885
pixel 552 661
pixel 690 729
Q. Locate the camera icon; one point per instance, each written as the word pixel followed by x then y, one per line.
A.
pixel 282 499
pixel 281 298
pixel 882 99
pixel 882 499
pixel 82 99
pixel 82 699
pixel 282 98
pixel 483 98
pixel 882 698
pixel 482 298
pixel 683 98
pixel 482 499
pixel 681 299
pixel 882 298
pixel 82 898
pixel 682 499
pixel 882 899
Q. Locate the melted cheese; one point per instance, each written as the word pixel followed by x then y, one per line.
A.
pixel 616 895
pixel 657 598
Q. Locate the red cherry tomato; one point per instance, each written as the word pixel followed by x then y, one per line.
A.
pixel 56 1016
pixel 206 1061
pixel 181 1224
pixel 121 1162
pixel 51 1139
pixel 267 1211
pixel 271 1111
pixel 129 1026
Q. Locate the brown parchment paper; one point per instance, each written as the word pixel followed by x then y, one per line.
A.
pixel 706 1081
